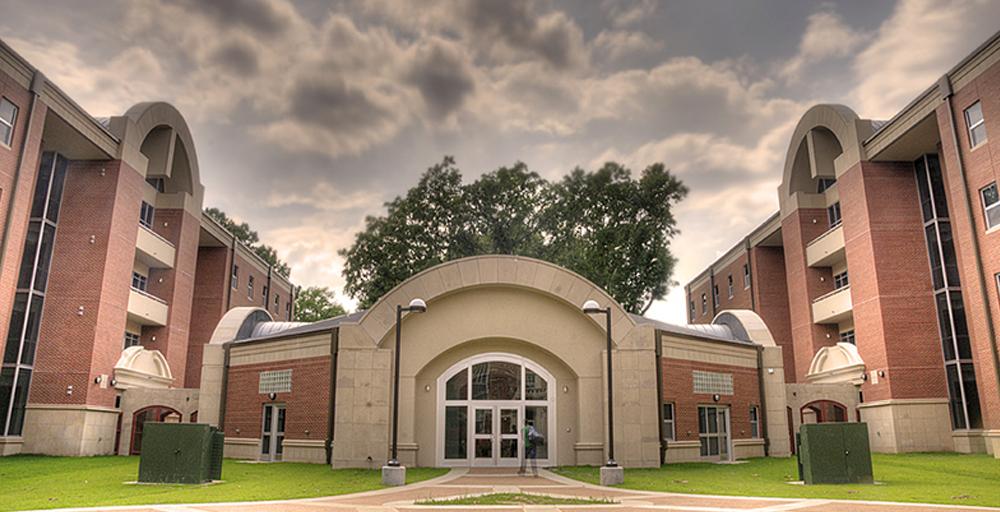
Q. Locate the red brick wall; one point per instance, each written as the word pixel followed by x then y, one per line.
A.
pixel 240 296
pixel 741 296
pixel 804 285
pixel 678 387
pixel 176 286
pixel 771 300
pixel 101 200
pixel 694 294
pixel 895 320
pixel 18 202
pixel 982 167
pixel 306 406
pixel 210 289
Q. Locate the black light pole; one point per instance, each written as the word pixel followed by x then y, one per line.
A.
pixel 591 308
pixel 416 306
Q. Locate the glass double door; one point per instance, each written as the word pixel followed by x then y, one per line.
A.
pixel 496 435
pixel 272 433
pixel 713 432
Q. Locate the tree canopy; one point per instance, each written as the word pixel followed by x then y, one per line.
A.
pixel 250 238
pixel 316 303
pixel 606 225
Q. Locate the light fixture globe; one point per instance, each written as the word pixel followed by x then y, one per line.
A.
pixel 417 306
pixel 591 306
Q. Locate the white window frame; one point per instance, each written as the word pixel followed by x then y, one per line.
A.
pixel 143 281
pixel 841 280
pixel 730 282
pixel 829 215
pixel 130 337
pixel 971 126
pixel 746 276
pixel 754 421
pixel 704 304
pixel 235 277
pixel 9 122
pixel 988 208
pixel 715 296
pixel 250 287
pixel 670 425
pixel 848 337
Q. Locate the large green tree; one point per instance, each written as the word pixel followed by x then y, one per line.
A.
pixel 607 225
pixel 244 233
pixel 316 303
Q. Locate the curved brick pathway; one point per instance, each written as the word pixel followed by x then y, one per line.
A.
pixel 462 482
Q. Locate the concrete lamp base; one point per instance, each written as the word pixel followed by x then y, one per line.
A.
pixel 393 476
pixel 612 475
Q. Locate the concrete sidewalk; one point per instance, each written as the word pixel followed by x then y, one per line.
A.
pixel 462 482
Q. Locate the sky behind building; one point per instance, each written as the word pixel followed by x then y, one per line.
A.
pixel 308 115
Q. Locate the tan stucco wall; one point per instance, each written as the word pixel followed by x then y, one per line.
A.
pixel 917 425
pixel 74 430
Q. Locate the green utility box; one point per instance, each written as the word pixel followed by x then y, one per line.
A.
pixel 835 453
pixel 184 453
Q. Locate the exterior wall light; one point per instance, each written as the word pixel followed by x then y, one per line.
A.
pixel 272 396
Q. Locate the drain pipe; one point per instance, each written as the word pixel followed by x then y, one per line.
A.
pixel 944 85
pixel 762 412
pixel 331 407
pixel 37 83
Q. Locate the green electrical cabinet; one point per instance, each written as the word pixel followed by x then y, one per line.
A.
pixel 185 453
pixel 835 453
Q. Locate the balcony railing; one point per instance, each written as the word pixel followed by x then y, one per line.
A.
pixel 826 249
pixel 154 250
pixel 147 309
pixel 833 307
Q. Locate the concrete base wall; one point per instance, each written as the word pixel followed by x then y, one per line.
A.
pixel 245 448
pixel 11 445
pixel 299 450
pixel 900 426
pixel 690 451
pixel 970 441
pixel 74 430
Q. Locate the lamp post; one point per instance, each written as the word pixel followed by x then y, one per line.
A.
pixel 393 473
pixel 611 473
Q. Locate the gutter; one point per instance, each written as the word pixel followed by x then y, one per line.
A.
pixel 331 406
pixel 37 83
pixel 762 412
pixel 232 266
pixel 225 386
pixel 659 395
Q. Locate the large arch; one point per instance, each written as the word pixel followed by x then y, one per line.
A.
pixel 539 276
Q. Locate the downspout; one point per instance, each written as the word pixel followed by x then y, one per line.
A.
pixel 37 83
pixel 331 406
pixel 945 85
pixel 762 412
pixel 753 298
pixel 659 394
pixel 232 266
pixel 225 386
pixel 267 296
pixel 711 291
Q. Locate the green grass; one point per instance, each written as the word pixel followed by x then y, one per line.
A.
pixel 946 478
pixel 30 482
pixel 509 498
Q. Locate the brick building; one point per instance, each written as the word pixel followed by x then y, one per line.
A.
pixel 111 277
pixel 882 267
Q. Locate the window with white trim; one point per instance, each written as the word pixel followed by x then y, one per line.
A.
pixel 704 304
pixel 712 383
pixel 847 337
pixel 976 124
pixel 715 295
pixel 991 205
pixel 668 422
pixel 754 422
pixel 840 280
pixel 833 214
pixel 692 310
pixel 746 275
pixel 275 381
pixel 730 280
pixel 8 116
pixel 131 339
pixel 146 215
pixel 139 281
pixel 235 279
pixel 250 288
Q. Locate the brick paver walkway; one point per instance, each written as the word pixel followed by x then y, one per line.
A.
pixel 461 482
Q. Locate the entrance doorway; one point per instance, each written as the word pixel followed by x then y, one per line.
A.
pixel 272 433
pixel 484 405
pixel 713 432
pixel 153 413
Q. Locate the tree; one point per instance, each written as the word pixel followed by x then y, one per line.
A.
pixel 251 239
pixel 316 303
pixel 605 225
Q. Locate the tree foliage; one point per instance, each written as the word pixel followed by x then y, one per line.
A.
pixel 251 239
pixel 606 225
pixel 316 303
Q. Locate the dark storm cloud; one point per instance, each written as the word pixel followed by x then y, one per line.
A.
pixel 443 77
pixel 238 57
pixel 264 17
pixel 553 37
pixel 331 103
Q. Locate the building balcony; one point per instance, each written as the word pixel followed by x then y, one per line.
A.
pixel 146 309
pixel 153 250
pixel 833 307
pixel 827 249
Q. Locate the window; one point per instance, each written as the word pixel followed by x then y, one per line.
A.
pixel 976 124
pixel 712 383
pixel 146 215
pixel 131 339
pixel 847 337
pixel 275 381
pixel 704 304
pixel 715 295
pixel 235 279
pixel 746 276
pixel 692 310
pixel 276 302
pixel 157 183
pixel 288 307
pixel 263 294
pixel 754 422
pixel 8 116
pixel 991 205
pixel 840 280
pixel 833 214
pixel 825 183
pixel 668 422
pixel 730 279
pixel 250 287
pixel 139 281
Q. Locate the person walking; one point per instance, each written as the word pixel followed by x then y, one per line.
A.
pixel 532 438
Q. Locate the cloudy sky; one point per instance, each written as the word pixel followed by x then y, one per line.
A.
pixel 308 115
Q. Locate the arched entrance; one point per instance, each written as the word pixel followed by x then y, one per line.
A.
pixel 152 413
pixel 823 411
pixel 484 403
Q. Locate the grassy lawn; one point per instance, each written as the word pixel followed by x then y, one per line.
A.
pixel 946 478
pixel 509 498
pixel 29 482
